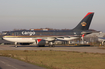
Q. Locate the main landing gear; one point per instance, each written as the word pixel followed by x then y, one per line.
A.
pixel 16 44
pixel 51 44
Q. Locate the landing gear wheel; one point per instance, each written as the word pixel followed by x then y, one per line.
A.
pixel 16 46
pixel 51 45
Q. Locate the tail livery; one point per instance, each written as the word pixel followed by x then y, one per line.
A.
pixel 85 22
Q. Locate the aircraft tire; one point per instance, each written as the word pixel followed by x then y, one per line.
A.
pixel 51 45
pixel 16 46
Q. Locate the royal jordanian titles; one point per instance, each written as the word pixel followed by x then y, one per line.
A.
pixel 40 37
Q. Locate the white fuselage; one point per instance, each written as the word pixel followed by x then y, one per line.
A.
pixel 32 40
pixel 20 40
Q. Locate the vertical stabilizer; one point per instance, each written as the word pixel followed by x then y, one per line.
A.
pixel 85 22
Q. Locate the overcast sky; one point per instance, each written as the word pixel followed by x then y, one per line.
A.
pixel 59 14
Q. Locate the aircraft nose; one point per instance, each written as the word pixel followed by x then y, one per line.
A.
pixel 3 37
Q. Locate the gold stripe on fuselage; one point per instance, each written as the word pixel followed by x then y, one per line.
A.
pixel 26 36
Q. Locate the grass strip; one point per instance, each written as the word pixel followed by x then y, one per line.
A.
pixel 58 59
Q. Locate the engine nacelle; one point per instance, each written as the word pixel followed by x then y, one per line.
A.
pixel 41 42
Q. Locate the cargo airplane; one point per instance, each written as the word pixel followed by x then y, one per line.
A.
pixel 50 36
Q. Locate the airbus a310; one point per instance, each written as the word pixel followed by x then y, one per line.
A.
pixel 41 37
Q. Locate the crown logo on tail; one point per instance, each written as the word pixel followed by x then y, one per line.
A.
pixel 83 23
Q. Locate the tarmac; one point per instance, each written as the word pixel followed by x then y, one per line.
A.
pixel 89 49
pixel 9 63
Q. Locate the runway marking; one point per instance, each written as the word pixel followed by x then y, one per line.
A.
pixel 8 64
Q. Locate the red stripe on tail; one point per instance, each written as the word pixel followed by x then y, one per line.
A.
pixel 88 14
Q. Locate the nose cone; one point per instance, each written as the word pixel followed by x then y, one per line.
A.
pixel 4 37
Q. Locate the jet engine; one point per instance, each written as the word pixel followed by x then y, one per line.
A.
pixel 41 42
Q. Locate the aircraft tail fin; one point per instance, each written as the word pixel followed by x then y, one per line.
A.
pixel 85 22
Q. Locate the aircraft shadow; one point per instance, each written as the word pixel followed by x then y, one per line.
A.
pixel 55 46
pixel 24 46
pixel 75 46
